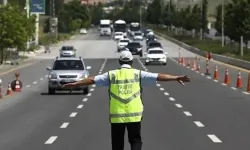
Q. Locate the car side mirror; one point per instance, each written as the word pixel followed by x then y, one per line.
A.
pixel 48 69
pixel 88 67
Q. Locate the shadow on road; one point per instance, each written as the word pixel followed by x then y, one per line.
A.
pixel 61 94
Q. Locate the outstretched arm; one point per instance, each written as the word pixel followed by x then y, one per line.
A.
pixel 167 77
pixel 83 82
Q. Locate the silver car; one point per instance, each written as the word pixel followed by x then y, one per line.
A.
pixel 67 51
pixel 67 70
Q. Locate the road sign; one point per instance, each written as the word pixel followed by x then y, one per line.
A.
pixel 37 7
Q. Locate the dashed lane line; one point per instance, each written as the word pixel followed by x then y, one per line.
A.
pixel 92 89
pixel 85 100
pixel 187 113
pixel 73 114
pixel 64 125
pixel 166 93
pixel 171 99
pixel 46 76
pixel 27 86
pixel 214 138
pixel 162 89
pixel 199 124
pixel 93 85
pixel 158 84
pixel 51 140
pixel 89 94
pixel 79 106
pixel 35 82
pixel 246 93
pixel 178 105
pixel 41 79
pixel 233 88
pixel 208 77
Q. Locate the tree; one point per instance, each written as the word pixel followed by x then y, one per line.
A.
pixel 218 23
pixel 154 12
pixel 96 13
pixel 204 20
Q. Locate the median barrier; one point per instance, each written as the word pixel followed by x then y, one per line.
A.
pixel 221 58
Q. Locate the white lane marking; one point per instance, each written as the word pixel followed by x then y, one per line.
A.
pixel 223 84
pixel 166 93
pixel 198 123
pixel 158 85
pixel 27 85
pixel 233 88
pixel 202 74
pixel 46 76
pixel 215 80
pixel 73 114
pixel 64 125
pixel 214 138
pixel 197 72
pixel 100 72
pixel 35 82
pixel 80 106
pixel 85 99
pixel 161 89
pixel 93 85
pixel 187 113
pixel 208 77
pixel 92 89
pixel 246 93
pixel 51 140
pixel 178 105
pixel 171 99
pixel 41 78
pixel 89 94
pixel 146 69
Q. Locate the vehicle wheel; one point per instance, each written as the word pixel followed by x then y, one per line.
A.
pixel 164 64
pixel 51 91
pixel 86 90
pixel 118 50
pixel 146 64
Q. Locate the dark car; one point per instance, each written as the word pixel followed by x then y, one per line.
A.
pixel 135 48
pixel 153 44
pixel 150 38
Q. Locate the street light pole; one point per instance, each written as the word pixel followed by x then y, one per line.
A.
pixel 201 30
pixel 27 6
pixel 5 2
pixel 222 24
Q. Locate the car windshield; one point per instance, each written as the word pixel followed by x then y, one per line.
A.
pixel 104 26
pixel 68 65
pixel 118 34
pixel 124 41
pixel 134 44
pixel 138 34
pixel 67 48
pixel 156 52
pixel 155 44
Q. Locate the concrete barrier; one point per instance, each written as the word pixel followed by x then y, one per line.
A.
pixel 221 58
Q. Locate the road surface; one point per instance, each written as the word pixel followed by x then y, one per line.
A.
pixel 203 115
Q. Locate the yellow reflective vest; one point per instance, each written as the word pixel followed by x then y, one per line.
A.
pixel 125 96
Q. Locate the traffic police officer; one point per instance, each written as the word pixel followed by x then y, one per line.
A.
pixel 126 107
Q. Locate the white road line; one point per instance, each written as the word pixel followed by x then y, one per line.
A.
pixel 80 106
pixel 223 84
pixel 158 85
pixel 215 80
pixel 208 77
pixel 187 113
pixel 46 76
pixel 171 99
pixel 85 100
pixel 73 114
pixel 233 88
pixel 197 72
pixel 161 89
pixel 51 140
pixel 92 89
pixel 246 93
pixel 202 74
pixel 214 138
pixel 35 82
pixel 27 85
pixel 166 93
pixel 178 105
pixel 64 125
pixel 100 72
pixel 93 85
pixel 41 78
pixel 89 94
pixel 198 123
pixel 146 69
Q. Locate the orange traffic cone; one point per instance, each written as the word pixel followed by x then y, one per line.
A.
pixel 17 86
pixel 216 73
pixel 198 65
pixel 194 65
pixel 248 84
pixel 9 91
pixel 207 68
pixel 239 81
pixel 183 61
pixel 227 78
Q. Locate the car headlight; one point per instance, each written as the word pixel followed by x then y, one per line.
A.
pixel 84 75
pixel 139 49
pixel 53 76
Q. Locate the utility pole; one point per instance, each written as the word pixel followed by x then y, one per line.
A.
pixel 222 23
pixel 5 2
pixel 27 7
pixel 201 30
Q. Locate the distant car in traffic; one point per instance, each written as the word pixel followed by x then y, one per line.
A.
pixel 138 36
pixel 135 48
pixel 150 38
pixel 67 70
pixel 118 36
pixel 148 32
pixel 67 51
pixel 83 31
pixel 153 44
pixel 121 44
pixel 156 55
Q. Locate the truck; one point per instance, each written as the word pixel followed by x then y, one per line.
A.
pixel 134 27
pixel 105 27
pixel 120 26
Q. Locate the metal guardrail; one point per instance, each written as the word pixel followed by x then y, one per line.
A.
pixel 221 58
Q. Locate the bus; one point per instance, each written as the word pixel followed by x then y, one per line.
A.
pixel 120 26
pixel 134 27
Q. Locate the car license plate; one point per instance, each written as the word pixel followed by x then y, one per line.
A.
pixel 68 80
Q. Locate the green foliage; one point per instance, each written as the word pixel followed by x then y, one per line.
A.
pixel 73 16
pixel 97 13
pixel 218 23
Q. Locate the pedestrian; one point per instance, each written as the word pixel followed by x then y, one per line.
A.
pixel 126 107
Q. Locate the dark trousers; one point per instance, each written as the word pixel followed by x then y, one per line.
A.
pixel 134 135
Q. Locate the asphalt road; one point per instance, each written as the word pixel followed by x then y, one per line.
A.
pixel 203 115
